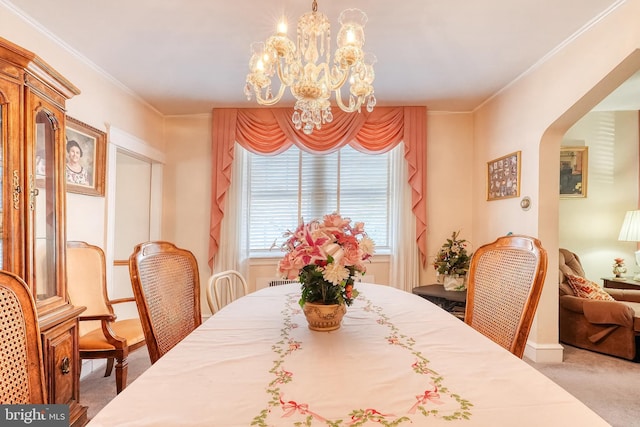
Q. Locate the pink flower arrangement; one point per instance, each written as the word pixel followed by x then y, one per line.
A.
pixel 325 257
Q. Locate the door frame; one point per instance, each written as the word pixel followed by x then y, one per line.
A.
pixel 120 140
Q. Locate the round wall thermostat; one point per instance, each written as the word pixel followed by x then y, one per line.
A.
pixel 525 203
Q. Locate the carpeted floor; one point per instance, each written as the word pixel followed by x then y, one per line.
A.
pixel 608 385
pixel 96 390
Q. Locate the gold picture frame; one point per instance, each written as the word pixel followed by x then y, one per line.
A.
pixel 574 165
pixel 85 161
pixel 503 177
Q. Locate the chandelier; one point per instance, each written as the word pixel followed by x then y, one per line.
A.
pixel 307 69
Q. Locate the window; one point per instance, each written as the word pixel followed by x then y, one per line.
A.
pixel 296 184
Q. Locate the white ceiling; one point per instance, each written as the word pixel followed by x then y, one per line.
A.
pixel 186 57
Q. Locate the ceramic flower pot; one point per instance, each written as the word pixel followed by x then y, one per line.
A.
pixel 619 270
pixel 324 317
pixel 453 282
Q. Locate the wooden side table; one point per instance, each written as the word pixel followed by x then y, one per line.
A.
pixel 621 283
pixel 452 301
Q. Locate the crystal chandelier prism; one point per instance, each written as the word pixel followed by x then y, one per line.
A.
pixel 306 67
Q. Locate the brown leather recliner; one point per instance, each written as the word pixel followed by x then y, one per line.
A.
pixel 610 327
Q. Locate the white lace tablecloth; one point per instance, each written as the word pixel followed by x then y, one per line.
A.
pixel 397 360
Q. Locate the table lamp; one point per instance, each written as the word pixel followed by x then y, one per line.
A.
pixel 630 232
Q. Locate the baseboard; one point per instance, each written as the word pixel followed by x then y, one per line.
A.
pixel 544 353
pixel 91 365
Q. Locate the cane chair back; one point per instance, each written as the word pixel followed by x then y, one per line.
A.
pixel 101 336
pixel 504 287
pixel 21 367
pixel 166 286
pixel 225 287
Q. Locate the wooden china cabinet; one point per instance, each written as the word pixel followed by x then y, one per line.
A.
pixel 32 220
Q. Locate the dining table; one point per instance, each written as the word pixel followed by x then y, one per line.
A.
pixel 396 360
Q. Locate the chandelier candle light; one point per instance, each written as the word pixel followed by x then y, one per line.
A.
pixel 306 68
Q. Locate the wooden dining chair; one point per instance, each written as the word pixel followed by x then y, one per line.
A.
pixel 101 335
pixel 504 287
pixel 225 287
pixel 21 367
pixel 166 286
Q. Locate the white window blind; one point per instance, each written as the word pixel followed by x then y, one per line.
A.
pixel 296 184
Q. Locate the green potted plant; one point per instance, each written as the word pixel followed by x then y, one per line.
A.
pixel 452 263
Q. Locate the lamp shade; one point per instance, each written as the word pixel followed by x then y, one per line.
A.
pixel 630 231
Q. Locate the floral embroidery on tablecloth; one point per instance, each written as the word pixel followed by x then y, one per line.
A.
pixel 425 402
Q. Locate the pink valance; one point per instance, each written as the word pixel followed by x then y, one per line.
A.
pixel 270 132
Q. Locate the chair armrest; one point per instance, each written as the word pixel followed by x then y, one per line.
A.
pixel 572 303
pixel 599 312
pixel 121 300
pixel 104 317
pixel 632 295
pixel 608 313
pixel 109 334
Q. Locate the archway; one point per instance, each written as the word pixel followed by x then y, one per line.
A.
pixel 546 328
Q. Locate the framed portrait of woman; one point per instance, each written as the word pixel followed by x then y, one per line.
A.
pixel 85 158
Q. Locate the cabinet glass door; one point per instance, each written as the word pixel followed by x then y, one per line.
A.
pixel 42 200
pixel 2 185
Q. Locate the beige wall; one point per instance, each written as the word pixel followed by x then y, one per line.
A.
pixel 450 154
pixel 187 189
pixel 102 102
pixel 532 115
pixel 449 160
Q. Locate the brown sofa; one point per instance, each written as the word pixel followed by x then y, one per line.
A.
pixel 610 327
